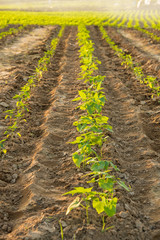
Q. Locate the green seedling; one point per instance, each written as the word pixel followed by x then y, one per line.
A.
pixel 93 131
pixel 62 236
pixel 128 61
pixel 17 115
pixel 98 200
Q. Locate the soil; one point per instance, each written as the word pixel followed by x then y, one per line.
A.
pixel 38 168
pixel 5 29
pixel 18 61
pixel 139 46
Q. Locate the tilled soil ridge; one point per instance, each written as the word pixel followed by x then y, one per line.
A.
pixel 15 56
pixel 38 169
pixel 18 62
pixel 145 54
pixel 49 170
pixel 132 146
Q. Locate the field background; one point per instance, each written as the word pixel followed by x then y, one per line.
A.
pixel 69 5
pixel 52 52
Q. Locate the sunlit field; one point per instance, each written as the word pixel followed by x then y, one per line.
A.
pixel 79 120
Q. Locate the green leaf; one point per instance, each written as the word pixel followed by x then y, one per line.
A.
pixel 7 116
pixel 114 166
pixel 98 205
pixel 98 108
pixel 102 119
pixel 79 190
pixel 78 140
pixel 19 134
pixel 110 207
pixel 81 127
pixel 96 96
pixel 4 151
pixel 122 184
pixel 92 180
pixel 76 99
pixel 82 94
pixel 109 128
pixel 90 108
pixel 77 159
pixel 106 184
pixel 100 165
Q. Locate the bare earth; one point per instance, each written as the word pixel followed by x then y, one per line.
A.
pixel 38 168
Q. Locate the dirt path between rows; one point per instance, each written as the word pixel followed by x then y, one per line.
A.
pixel 145 46
pixel 6 28
pixel 14 55
pixel 132 146
pixel 18 61
pixel 144 55
pixel 39 169
pixel 43 163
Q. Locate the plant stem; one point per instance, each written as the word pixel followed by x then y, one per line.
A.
pixel 103 223
pixel 87 214
pixel 61 229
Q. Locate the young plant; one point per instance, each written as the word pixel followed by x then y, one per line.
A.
pixel 93 128
pixel 22 99
pixel 128 61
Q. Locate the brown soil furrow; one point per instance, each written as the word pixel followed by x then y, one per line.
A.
pixel 130 147
pixel 5 29
pixel 142 43
pixel 19 61
pixel 50 168
pixel 139 92
pixel 150 110
pixel 156 32
pixel 15 57
pixel 38 168
pixel 11 38
pixel 20 152
pixel 145 54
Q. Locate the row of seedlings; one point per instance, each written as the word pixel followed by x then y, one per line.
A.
pixel 11 31
pixel 127 60
pixel 136 26
pixel 129 24
pixel 146 26
pixel 93 130
pixel 17 115
pixel 150 34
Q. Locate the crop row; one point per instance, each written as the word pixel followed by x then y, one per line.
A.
pixel 11 31
pixel 128 61
pixel 17 115
pixel 132 19
pixel 51 18
pixel 143 19
pixel 93 130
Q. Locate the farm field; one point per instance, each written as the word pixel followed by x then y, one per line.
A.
pixel 103 147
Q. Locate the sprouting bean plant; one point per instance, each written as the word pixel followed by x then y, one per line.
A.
pixel 128 61
pixel 93 130
pixel 17 115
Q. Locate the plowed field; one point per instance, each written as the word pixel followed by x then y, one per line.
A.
pixel 38 167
